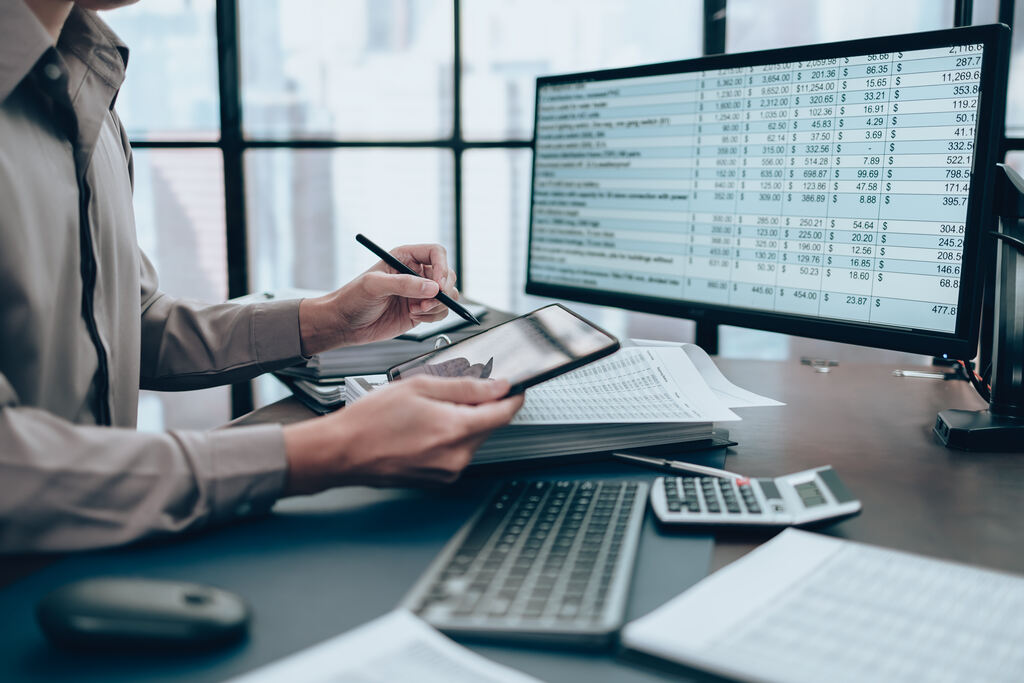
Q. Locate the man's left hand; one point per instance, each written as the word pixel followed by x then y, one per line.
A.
pixel 381 303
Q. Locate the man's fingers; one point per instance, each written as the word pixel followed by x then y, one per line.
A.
pixel 489 416
pixel 468 390
pixel 433 255
pixel 429 317
pixel 380 284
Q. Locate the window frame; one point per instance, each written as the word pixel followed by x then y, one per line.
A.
pixel 233 144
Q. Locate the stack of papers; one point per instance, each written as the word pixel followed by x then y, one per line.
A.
pixel 394 647
pixel 638 396
pixel 806 608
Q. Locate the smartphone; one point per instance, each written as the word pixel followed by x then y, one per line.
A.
pixel 526 350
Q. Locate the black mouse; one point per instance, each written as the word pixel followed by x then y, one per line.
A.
pixel 123 612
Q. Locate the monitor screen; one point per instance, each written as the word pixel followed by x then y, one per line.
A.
pixel 836 191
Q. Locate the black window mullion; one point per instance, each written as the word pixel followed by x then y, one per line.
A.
pixel 714 27
pixel 706 332
pixel 232 147
pixel 1006 12
pixel 963 13
pixel 458 144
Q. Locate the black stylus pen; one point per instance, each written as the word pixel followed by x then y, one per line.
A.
pixel 402 268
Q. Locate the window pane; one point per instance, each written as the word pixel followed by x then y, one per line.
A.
pixel 508 44
pixel 306 206
pixel 760 25
pixel 495 214
pixel 1016 161
pixel 348 69
pixel 170 91
pixel 179 217
pixel 1015 93
pixel 985 12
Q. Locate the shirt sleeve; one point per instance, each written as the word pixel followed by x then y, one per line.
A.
pixel 190 345
pixel 72 487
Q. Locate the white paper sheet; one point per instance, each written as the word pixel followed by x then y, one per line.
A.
pixel 805 608
pixel 395 647
pixel 727 392
pixel 633 385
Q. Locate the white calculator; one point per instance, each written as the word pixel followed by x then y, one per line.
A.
pixel 797 499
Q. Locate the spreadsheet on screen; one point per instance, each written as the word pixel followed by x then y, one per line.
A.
pixel 835 188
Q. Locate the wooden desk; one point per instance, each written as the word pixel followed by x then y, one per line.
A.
pixel 876 430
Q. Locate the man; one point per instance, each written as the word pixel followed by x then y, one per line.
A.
pixel 83 324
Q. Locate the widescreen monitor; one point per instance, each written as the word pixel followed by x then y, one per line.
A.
pixel 839 191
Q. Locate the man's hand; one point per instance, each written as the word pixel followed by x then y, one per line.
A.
pixel 380 303
pixel 421 430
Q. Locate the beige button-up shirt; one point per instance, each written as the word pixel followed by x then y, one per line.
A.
pixel 83 324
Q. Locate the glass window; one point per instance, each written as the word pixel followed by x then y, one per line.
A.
pixel 759 25
pixel 347 69
pixel 985 12
pixel 508 44
pixel 1015 93
pixel 306 206
pixel 179 217
pixel 495 216
pixel 1016 161
pixel 170 90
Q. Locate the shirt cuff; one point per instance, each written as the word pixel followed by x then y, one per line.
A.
pixel 275 330
pixel 247 470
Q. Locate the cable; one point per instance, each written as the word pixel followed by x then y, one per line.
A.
pixel 977 381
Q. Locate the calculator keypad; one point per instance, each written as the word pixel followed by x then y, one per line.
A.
pixel 709 495
pixel 707 501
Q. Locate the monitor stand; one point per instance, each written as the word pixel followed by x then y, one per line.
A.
pixel 1001 427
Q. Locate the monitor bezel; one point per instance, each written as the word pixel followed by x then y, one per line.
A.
pixel 978 247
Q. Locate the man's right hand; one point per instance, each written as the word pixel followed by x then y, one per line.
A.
pixel 421 430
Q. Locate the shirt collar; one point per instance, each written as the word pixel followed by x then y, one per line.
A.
pixel 23 40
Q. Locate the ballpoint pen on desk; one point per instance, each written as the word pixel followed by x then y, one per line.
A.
pixel 927 375
pixel 663 464
pixel 402 268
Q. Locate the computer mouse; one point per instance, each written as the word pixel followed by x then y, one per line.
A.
pixel 123 612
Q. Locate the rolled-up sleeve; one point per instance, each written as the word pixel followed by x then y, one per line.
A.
pixel 71 487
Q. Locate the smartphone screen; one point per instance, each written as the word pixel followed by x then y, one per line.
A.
pixel 525 351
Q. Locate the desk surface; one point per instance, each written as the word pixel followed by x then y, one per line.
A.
pixel 326 563
pixel 876 430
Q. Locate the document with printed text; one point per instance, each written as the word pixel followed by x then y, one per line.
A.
pixel 804 608
pixel 633 385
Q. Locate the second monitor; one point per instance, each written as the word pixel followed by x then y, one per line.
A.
pixel 838 191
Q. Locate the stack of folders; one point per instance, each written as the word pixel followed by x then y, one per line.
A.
pixel 639 396
pixel 320 382
pixel 320 396
pixel 379 356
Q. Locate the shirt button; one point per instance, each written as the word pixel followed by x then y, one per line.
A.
pixel 243 509
pixel 52 71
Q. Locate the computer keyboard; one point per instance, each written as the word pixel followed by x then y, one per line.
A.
pixel 542 561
